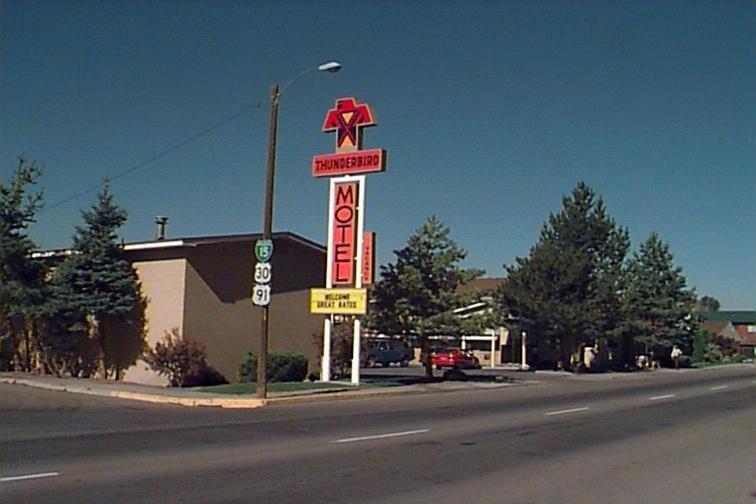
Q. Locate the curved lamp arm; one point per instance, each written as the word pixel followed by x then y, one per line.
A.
pixel 330 66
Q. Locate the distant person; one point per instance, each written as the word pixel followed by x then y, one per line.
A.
pixel 641 361
pixel 589 356
pixel 676 354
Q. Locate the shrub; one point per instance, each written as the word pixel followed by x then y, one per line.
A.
pixel 341 350
pixel 712 353
pixel 206 376
pixel 281 367
pixel 737 358
pixel 183 361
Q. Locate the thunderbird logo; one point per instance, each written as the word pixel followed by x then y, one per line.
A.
pixel 347 119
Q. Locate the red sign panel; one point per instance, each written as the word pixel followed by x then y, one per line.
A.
pixel 350 163
pixel 344 232
pixel 368 257
pixel 348 118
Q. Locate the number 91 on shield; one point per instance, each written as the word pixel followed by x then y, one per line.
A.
pixel 261 295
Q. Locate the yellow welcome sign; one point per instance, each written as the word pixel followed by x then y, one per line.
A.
pixel 338 301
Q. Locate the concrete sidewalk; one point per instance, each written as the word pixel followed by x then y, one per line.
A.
pixel 188 397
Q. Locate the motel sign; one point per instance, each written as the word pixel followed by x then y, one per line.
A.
pixel 351 251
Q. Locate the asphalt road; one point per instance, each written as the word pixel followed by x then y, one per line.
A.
pixel 673 437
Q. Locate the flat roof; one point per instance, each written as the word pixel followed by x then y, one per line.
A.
pixel 193 241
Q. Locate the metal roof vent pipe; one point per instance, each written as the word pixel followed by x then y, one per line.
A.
pixel 160 228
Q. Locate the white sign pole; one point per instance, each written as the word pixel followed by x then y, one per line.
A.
pixel 493 348
pixel 325 362
pixel 356 340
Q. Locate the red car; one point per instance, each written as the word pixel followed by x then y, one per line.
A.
pixel 454 358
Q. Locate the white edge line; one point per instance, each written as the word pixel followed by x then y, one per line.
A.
pixel 656 398
pixel 29 476
pixel 720 387
pixel 561 412
pixel 381 436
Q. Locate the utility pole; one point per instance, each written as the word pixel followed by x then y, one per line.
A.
pixel 270 174
pixel 267 234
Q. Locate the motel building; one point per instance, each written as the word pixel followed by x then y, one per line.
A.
pixel 202 287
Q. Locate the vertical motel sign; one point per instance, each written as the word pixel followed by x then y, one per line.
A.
pixel 345 267
pixel 343 230
pixel 351 251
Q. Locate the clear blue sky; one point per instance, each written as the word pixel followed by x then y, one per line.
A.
pixel 489 111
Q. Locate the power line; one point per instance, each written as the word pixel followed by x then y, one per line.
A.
pixel 155 157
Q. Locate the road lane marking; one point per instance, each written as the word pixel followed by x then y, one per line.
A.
pixel 720 387
pixel 381 436
pixel 656 398
pixel 29 476
pixel 562 412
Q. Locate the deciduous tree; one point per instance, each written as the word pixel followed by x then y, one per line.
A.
pixel 707 304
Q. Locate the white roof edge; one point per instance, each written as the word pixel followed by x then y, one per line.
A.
pixel 473 306
pixel 155 244
pixel 50 253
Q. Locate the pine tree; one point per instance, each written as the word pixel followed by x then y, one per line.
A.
pixel 95 279
pixel 567 291
pixel 658 303
pixel 417 294
pixel 21 277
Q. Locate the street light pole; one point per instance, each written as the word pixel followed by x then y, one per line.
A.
pixel 270 175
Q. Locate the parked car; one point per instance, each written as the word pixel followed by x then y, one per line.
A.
pixel 387 351
pixel 454 358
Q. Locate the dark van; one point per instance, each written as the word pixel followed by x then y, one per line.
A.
pixel 387 351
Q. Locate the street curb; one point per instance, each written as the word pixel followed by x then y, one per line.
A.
pixel 218 402
pixel 248 403
pixel 191 401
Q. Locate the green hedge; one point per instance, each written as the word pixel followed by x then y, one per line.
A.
pixel 282 367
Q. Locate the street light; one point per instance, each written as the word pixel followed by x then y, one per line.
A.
pixel 270 173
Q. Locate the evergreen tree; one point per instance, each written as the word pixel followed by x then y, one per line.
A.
pixel 567 291
pixel 96 280
pixel 417 294
pixel 658 303
pixel 21 277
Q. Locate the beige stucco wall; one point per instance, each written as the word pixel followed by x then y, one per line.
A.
pixel 219 311
pixel 163 284
pixel 203 289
